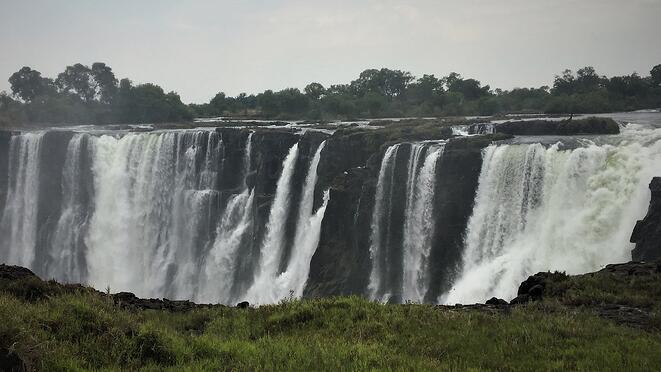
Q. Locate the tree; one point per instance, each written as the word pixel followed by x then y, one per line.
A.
pixel 425 89
pixel 27 84
pixel 292 101
pixel 587 79
pixel 389 83
pixel 77 79
pixel 105 82
pixel 655 75
pixel 218 104
pixel 471 89
pixel 314 91
pixel 565 83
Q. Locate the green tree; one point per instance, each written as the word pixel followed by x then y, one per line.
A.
pixel 655 75
pixel 389 83
pixel 314 91
pixel 105 82
pixel 78 80
pixel 218 104
pixel 27 84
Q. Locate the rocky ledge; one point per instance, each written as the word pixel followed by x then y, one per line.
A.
pixel 541 127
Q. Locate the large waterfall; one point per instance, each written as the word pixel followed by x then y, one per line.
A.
pixel 226 214
pixel 542 208
pixel 403 222
pixel 169 213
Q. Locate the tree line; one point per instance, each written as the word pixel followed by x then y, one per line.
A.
pixel 83 94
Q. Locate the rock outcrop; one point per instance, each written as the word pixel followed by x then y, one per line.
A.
pixel 591 125
pixel 647 232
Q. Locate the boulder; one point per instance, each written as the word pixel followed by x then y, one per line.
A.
pixel 496 301
pixel 243 305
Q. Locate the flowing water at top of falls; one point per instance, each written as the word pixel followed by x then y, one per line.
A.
pixel 541 208
pixel 401 236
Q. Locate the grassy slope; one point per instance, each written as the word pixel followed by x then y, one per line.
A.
pixel 81 329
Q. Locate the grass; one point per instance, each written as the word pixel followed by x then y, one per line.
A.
pixel 84 330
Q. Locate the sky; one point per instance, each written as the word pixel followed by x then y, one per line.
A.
pixel 199 48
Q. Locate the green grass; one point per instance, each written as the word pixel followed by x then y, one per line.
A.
pixel 84 330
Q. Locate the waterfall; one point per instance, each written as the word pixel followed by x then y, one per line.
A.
pixel 306 240
pixel 220 265
pixel 273 244
pixel 419 227
pixel 400 265
pixel 145 233
pixel 18 226
pixel 67 248
pixel 269 286
pixel 542 208
pixel 381 224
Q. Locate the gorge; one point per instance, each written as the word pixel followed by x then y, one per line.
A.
pixel 400 211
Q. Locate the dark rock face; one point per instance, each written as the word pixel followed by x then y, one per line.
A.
pixel 341 264
pixel 590 125
pixel 647 232
pixel 457 177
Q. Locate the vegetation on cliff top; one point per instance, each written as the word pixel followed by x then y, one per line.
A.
pixel 46 326
pixel 83 94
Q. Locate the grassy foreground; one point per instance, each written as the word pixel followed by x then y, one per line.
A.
pixel 80 329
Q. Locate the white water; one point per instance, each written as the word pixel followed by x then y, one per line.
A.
pixel 540 209
pixel 19 218
pixel 269 286
pixel 67 246
pixel 419 227
pixel 273 245
pixel 142 236
pixel 220 265
pixel 306 240
pixel 418 224
pixel 383 196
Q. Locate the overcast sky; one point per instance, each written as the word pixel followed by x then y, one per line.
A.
pixel 198 48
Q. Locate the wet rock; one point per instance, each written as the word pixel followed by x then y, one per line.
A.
pixel 647 232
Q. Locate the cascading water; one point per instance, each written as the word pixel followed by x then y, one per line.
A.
pixel 68 248
pixel 270 285
pixel 157 214
pixel 542 208
pixel 400 264
pixel 18 226
pixel 307 236
pixel 220 265
pixel 273 245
